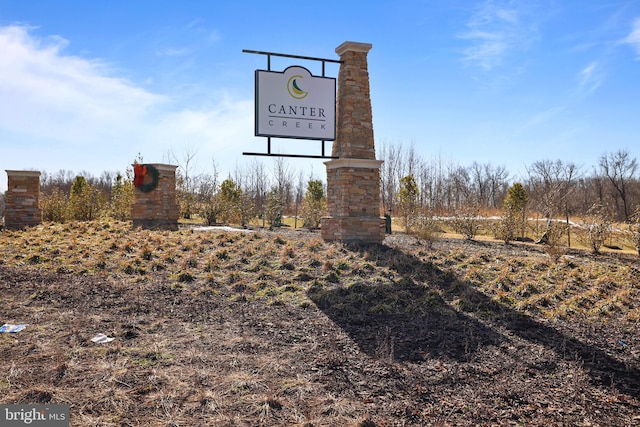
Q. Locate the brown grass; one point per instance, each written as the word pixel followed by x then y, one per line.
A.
pixel 261 328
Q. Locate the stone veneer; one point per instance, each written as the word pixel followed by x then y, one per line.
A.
pixel 23 200
pixel 353 180
pixel 157 208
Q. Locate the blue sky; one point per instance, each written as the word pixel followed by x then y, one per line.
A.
pixel 87 85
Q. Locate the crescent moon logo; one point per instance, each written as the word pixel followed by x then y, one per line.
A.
pixel 294 89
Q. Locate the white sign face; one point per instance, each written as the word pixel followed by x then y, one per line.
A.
pixel 295 104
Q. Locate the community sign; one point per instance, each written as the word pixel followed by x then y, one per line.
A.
pixel 295 104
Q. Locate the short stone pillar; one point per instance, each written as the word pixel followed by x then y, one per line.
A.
pixel 23 200
pixel 353 180
pixel 158 208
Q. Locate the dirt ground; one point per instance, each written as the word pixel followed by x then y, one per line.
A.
pixel 222 328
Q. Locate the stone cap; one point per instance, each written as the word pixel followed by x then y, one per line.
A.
pixel 165 167
pixel 353 47
pixel 162 166
pixel 354 163
pixel 22 173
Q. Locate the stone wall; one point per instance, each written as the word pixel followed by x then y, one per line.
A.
pixel 23 199
pixel 157 208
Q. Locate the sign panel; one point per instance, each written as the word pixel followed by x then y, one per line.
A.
pixel 295 104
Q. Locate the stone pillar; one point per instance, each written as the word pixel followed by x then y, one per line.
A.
pixel 353 180
pixel 157 208
pixel 23 200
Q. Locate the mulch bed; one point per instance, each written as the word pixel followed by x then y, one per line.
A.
pixel 194 354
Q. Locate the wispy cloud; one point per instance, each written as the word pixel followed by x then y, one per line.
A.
pixel 589 79
pixel 199 26
pixel 45 92
pixel 545 116
pixel 494 31
pixel 55 104
pixel 214 37
pixel 633 38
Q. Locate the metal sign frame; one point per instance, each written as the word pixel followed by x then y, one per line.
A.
pixel 305 110
pixel 309 58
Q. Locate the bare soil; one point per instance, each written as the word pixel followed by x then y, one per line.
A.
pixel 224 328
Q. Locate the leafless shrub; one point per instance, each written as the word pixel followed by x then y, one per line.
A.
pixel 54 206
pixel 467 222
pixel 427 229
pixel 552 239
pixel 596 228
pixel 633 233
pixel 508 226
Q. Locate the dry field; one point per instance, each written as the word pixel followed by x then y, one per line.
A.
pixel 223 328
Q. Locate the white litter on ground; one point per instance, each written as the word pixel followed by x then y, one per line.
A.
pixel 101 339
pixel 9 328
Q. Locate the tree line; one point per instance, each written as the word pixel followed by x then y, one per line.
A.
pixel 556 188
pixel 251 194
pixel 410 185
pixel 425 193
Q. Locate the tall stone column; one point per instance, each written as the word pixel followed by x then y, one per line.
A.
pixel 23 199
pixel 158 208
pixel 353 180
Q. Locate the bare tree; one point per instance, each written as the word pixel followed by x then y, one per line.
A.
pixel 257 185
pixel 550 185
pixel 476 175
pixel 62 180
pixel 186 180
pixel 498 184
pixel 299 191
pixel 459 183
pixel 207 188
pixel 284 178
pixel 390 174
pixel 620 170
pixel 435 183
pixel 489 182
pixel 411 163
